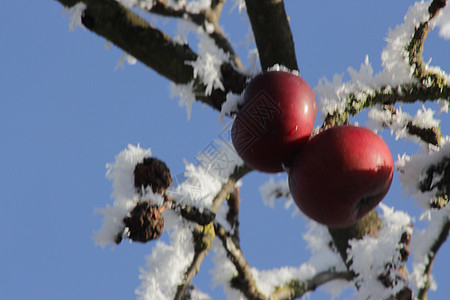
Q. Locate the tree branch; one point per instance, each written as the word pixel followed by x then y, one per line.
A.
pixel 204 235
pixel 370 224
pixel 152 47
pixel 202 19
pixel 272 33
pixel 298 288
pixel 445 229
pixel 429 135
pixel 244 280
pixel 429 86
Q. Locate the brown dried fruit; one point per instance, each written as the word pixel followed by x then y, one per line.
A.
pixel 145 222
pixel 152 172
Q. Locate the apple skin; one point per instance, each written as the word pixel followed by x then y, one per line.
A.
pixel 275 120
pixel 340 175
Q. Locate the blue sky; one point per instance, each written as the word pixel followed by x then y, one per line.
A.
pixel 65 113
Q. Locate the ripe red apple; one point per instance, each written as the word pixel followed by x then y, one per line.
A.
pixel 276 118
pixel 340 175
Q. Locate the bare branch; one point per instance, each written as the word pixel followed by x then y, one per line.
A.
pixel 272 33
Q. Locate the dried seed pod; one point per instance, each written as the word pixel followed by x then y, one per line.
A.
pixel 145 222
pixel 152 172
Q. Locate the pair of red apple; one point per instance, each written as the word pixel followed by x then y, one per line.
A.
pixel 336 176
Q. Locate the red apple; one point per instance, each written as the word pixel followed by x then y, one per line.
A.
pixel 340 175
pixel 275 120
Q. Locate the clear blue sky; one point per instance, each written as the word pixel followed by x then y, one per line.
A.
pixel 65 113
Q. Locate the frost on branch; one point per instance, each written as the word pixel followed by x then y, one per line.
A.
pixel 207 65
pixel 443 22
pixel 423 128
pixel 167 263
pixel 424 246
pixel 76 13
pixel 404 76
pixel 377 261
pixel 426 176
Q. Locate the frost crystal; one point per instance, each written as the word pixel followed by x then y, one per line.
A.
pixel 121 174
pixel 444 23
pixel 420 246
pixel 413 169
pixel 185 93
pixel 197 6
pixel 240 4
pixel 397 121
pixel 142 4
pixel 76 12
pixel 371 255
pixel 203 180
pixel 396 69
pixel 230 106
pixel 167 263
pixel 125 57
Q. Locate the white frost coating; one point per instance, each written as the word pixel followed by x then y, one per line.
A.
pixel 412 170
pixel 397 122
pixel 185 93
pixel 230 106
pixel 240 4
pixel 204 179
pixel 121 174
pixel 396 69
pixel 443 22
pixel 125 57
pixel 207 65
pixel 197 6
pixel 223 271
pixel 254 67
pixel 76 12
pixel 142 4
pixel 420 245
pixel 166 265
pixel 271 191
pixel 371 254
pixel 278 67
pixel 322 259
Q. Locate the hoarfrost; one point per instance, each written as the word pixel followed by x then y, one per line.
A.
pixel 397 121
pixel 186 94
pixel 125 57
pixel 121 174
pixel 76 12
pixel 166 264
pixel 413 169
pixel 420 246
pixel 230 106
pixel 443 23
pixel 396 69
pixel 371 255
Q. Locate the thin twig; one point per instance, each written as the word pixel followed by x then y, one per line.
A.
pixel 244 281
pixel 298 288
pixel 204 235
pixel 201 19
